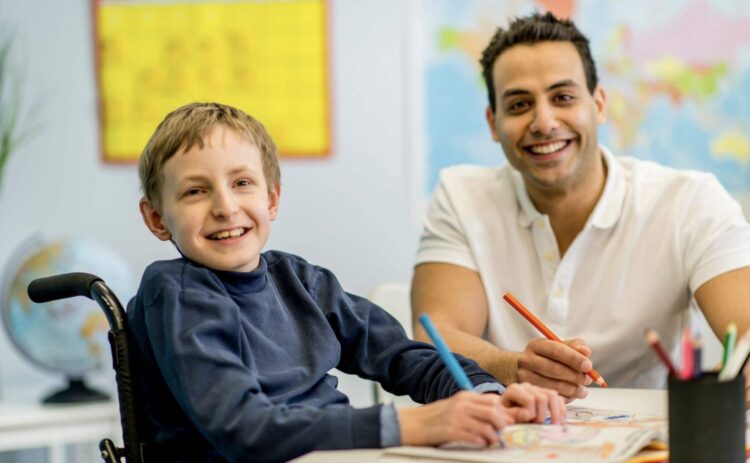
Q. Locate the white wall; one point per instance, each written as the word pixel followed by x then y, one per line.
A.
pixel 350 213
pixel 353 213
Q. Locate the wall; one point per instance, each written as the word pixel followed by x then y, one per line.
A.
pixel 353 213
pixel 349 213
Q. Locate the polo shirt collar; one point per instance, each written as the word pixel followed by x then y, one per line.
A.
pixel 607 210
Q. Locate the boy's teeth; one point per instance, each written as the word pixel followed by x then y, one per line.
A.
pixel 548 148
pixel 226 234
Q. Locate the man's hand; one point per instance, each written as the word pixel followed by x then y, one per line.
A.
pixel 561 366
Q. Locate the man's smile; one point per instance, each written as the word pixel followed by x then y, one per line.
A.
pixel 546 148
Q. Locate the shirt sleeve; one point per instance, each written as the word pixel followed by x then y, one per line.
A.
pixel 390 430
pixel 490 387
pixel 196 340
pixel 375 346
pixel 443 236
pixel 715 232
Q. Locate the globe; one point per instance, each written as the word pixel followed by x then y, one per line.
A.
pixel 70 335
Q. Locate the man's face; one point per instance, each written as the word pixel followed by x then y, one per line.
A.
pixel 545 118
pixel 215 205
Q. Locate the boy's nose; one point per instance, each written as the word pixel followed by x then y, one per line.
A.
pixel 224 204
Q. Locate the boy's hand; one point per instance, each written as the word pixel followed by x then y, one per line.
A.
pixel 528 403
pixel 464 417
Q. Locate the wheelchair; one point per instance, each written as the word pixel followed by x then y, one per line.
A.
pixel 84 284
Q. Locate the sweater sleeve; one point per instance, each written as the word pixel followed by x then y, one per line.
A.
pixel 375 346
pixel 196 339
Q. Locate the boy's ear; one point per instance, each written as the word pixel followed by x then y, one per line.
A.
pixel 273 201
pixel 152 219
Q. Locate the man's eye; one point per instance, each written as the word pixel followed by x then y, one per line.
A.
pixel 517 106
pixel 193 192
pixel 565 98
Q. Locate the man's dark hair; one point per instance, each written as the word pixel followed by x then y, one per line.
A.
pixel 533 29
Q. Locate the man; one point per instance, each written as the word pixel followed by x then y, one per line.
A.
pixel 599 247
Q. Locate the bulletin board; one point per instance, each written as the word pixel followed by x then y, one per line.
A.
pixel 268 58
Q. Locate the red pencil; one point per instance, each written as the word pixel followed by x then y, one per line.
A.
pixel 538 324
pixel 652 337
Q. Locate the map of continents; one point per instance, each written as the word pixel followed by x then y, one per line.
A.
pixel 677 79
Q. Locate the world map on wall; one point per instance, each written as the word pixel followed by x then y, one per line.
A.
pixel 677 79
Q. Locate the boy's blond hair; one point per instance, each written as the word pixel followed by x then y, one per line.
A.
pixel 188 126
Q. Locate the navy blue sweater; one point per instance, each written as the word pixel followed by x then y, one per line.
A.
pixel 234 366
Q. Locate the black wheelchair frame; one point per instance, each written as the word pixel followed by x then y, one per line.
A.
pixel 68 285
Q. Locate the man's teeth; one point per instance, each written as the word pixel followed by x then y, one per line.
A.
pixel 228 233
pixel 548 148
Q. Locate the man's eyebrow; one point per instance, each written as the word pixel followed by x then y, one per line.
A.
pixel 519 91
pixel 563 83
pixel 514 92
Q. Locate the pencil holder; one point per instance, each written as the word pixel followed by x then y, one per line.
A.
pixel 707 420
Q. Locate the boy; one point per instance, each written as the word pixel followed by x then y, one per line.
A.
pixel 235 345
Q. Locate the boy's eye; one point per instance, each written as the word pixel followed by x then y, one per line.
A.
pixel 243 182
pixel 193 191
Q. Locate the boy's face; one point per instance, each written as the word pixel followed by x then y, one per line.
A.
pixel 215 203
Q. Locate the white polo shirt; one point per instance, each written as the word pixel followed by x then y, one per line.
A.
pixel 655 236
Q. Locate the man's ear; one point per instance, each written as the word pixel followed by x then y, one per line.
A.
pixel 273 201
pixel 600 100
pixel 490 116
pixel 152 219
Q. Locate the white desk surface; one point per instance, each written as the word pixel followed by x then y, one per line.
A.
pixel 653 402
pixel 28 425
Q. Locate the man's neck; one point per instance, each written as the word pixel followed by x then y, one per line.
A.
pixel 569 208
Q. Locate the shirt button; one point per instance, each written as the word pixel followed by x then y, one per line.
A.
pixel 549 256
pixel 539 223
pixel 557 293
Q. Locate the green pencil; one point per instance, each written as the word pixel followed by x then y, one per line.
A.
pixel 729 339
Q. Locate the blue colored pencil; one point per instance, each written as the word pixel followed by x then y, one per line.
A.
pixel 458 373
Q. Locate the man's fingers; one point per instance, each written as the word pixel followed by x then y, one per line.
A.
pixel 560 353
pixel 565 389
pixel 579 345
pixel 549 368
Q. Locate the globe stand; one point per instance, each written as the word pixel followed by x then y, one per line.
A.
pixel 77 391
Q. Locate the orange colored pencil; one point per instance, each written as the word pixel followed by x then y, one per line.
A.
pixel 538 324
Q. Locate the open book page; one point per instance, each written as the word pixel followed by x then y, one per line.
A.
pixel 605 418
pixel 588 435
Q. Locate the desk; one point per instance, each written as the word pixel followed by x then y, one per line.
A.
pixel 653 402
pixel 33 425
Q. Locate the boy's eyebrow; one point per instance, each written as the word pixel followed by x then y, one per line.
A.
pixel 197 177
pixel 241 169
pixel 519 91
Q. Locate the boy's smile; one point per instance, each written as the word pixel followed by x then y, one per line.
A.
pixel 216 206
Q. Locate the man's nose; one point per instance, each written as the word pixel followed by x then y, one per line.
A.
pixel 545 120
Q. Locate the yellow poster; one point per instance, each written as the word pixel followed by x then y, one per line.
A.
pixel 268 58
